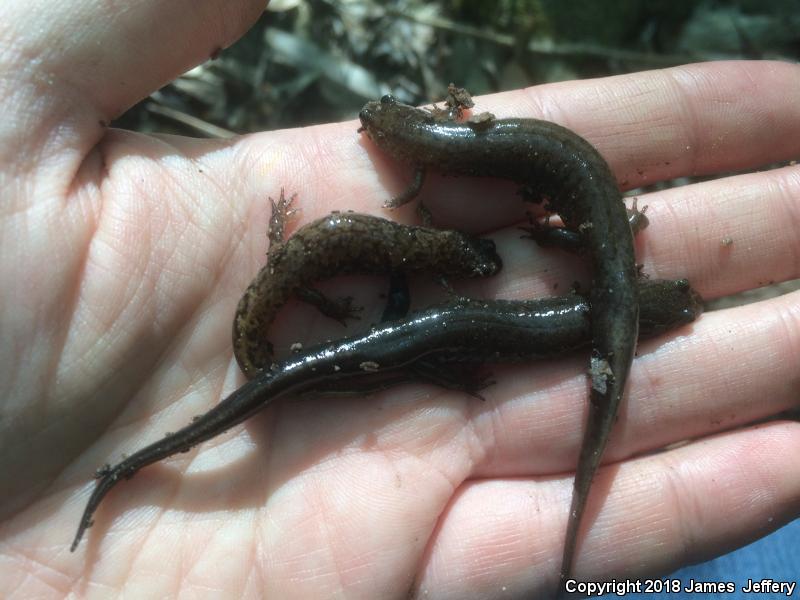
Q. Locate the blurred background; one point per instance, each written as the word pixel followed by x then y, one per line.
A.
pixel 318 61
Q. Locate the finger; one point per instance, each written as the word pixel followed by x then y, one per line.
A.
pixel 98 59
pixel 688 120
pixel 504 538
pixel 650 126
pixel 683 386
pixel 726 236
pixel 658 125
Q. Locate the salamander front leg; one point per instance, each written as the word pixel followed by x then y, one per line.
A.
pixel 410 193
pixel 570 240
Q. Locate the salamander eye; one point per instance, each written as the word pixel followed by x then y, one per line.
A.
pixel 388 99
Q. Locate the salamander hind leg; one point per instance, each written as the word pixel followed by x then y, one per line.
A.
pixel 562 237
pixel 637 218
pixel 339 309
pixel 281 213
pixel 549 236
pixel 452 376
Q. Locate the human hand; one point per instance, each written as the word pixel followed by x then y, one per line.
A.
pixel 122 257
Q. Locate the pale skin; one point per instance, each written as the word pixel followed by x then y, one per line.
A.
pixel 122 257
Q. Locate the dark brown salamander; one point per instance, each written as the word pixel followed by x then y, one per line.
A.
pixel 343 243
pixel 464 331
pixel 552 163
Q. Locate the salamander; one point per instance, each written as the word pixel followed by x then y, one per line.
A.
pixel 343 243
pixel 462 331
pixel 552 163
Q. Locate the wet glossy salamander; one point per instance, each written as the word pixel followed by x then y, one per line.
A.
pixel 552 163
pixel 343 243
pixel 462 331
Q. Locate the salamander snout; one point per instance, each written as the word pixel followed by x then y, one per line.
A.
pixel 368 114
pixel 486 260
pixel 379 114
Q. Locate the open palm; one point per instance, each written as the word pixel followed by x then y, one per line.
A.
pixel 122 257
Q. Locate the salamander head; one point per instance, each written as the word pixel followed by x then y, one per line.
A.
pixel 470 256
pixel 375 115
pixel 396 128
pixel 672 304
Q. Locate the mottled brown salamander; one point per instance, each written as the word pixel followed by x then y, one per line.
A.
pixel 552 163
pixel 343 243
